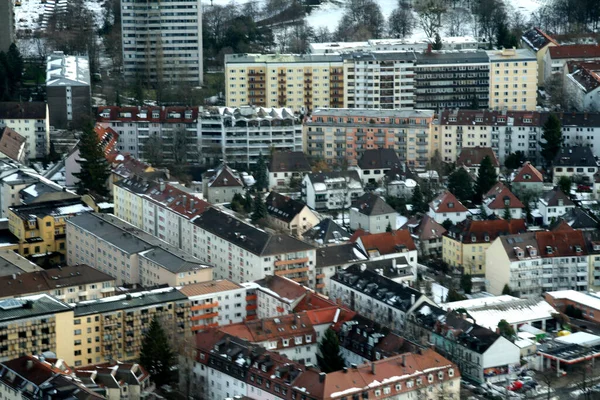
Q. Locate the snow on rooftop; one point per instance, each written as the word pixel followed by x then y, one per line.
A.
pixel 581 338
pixel 400 221
pixel 591 300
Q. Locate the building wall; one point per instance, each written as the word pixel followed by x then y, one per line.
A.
pixel 215 309
pixel 49 230
pixel 75 293
pixel 224 194
pixel 36 131
pixel 68 104
pixel 7 25
pixel 589 313
pixel 513 80
pixel 497 267
pixel 550 214
pixel 281 180
pixel 373 224
pixel 152 274
pixel 455 217
pixel 128 206
pixel 586 173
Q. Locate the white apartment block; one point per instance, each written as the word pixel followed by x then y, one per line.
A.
pixel 162 41
pixel 30 120
pixel 331 190
pixel 241 252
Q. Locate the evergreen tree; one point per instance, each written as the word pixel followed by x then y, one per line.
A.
pixel 262 180
pixel 237 203
pixel 437 45
pixel 552 139
pixel 260 209
pixel 506 215
pixel 466 283
pixel 447 224
pixel 483 214
pixel 453 295
pixel 53 155
pixel 564 184
pixel 94 166
pixel 156 354
pixel 486 178
pixel 330 359
pixel 14 66
pixel 506 290
pixel 389 227
pixel 248 203
pixel 118 98
pixel 460 184
pixel 514 160
pixel 417 201
pixel 506 329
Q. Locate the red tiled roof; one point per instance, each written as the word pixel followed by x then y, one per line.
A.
pixel 314 301
pixel 473 156
pixel 282 286
pixel 447 202
pixel 179 201
pixel 528 173
pixel 470 229
pixel 563 243
pixel 575 51
pixel 388 242
pixel 272 328
pixel 499 194
pixel 562 226
pixel 357 234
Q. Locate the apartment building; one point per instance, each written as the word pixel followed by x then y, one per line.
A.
pixel 553 205
pixel 32 324
pixel 7 25
pixel 575 162
pixel 449 43
pixel 331 190
pixel 31 120
pixel 375 164
pixel 427 235
pixel 12 145
pixel 532 263
pixel 118 380
pixel 241 252
pixel 70 284
pixel 528 179
pixel 454 79
pixel 219 302
pixel 291 216
pixel 471 158
pixel 582 85
pixel 556 58
pixel 276 295
pixel 41 227
pixel 162 43
pixel 464 244
pixel 336 135
pixel 129 254
pixel 239 135
pixel 513 79
pixel 285 166
pixel 372 214
pixel 300 82
pixel 14 263
pixel 539 42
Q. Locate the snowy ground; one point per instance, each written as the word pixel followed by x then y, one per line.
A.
pixel 30 15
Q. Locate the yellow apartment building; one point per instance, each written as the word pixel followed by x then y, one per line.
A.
pixel 40 227
pixel 513 79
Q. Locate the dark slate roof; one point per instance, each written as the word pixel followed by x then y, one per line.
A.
pixel 289 161
pixel 126 301
pixel 469 56
pixel 54 208
pixel 378 287
pixel 171 262
pixel 553 196
pixel 222 177
pixel 322 176
pixel 537 39
pixel 246 236
pixel 371 204
pixel 283 207
pixel 339 255
pixel 379 159
pixel 575 156
pixel 30 306
pixel 578 218
pixel 26 110
pixel 326 232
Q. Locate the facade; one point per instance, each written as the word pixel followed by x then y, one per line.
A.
pixel 575 162
pixel 553 205
pixel 446 206
pixel 129 254
pixel 292 216
pixel 147 52
pixel 452 80
pixel 285 166
pixel 588 303
pixel 556 58
pixel 241 252
pixel 336 135
pixel 375 164
pixel 465 244
pixel 513 79
pixel 528 179
pixel 470 158
pixel 118 380
pixel 372 214
pixel 582 85
pixel 331 190
pixel 539 42
pixel 427 235
pixel 500 201
pixel 532 263
pixel 239 135
pixel 7 25
pixel 396 246
pixel 68 89
pixel 30 120
pixel 221 184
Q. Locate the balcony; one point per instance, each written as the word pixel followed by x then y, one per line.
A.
pixel 290 262
pixel 281 272
pixel 107 289
pixel 205 306
pixel 204 316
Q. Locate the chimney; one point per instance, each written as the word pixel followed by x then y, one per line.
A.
pixel 345 370
pixel 429 48
pixel 354 366
pixel 14 276
pixel 162 185
pixel 322 377
pixel 404 360
pixel 373 368
pixel 412 299
pixel 29 365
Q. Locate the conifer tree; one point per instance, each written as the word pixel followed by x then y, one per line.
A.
pixel 248 202
pixel 94 166
pixel 460 184
pixel 553 139
pixel 262 180
pixel 417 201
pixel 331 358
pixel 260 209
pixel 156 354
pixel 486 178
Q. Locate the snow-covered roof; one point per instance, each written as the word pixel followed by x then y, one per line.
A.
pixel 63 70
pixel 580 338
pixel 589 299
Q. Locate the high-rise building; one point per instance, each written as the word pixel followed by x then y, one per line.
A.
pixel 7 24
pixel 513 79
pixel 162 41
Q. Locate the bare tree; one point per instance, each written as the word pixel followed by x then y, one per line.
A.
pixel 456 21
pixel 362 20
pixel 430 15
pixel 152 150
pixel 401 20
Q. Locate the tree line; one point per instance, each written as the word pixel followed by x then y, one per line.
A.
pixel 11 73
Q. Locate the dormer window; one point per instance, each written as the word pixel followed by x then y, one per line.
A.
pixel 286 342
pixel 527 177
pixel 451 372
pixel 298 339
pixel 486 238
pixel 105 113
pixel 450 205
pixel 473 238
pixel 188 114
pixel 506 201
pixel 440 375
pixel 155 114
pixel 549 250
pixel 560 202
pixel 596 246
pixel 519 252
pixel 577 249
pixel 532 251
pixel 308 338
pixel 527 120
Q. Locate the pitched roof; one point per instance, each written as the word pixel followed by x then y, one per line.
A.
pixel 325 177
pixel 537 39
pixel 202 288
pixel 379 159
pixel 447 202
pixel 575 156
pixel 285 326
pixel 561 226
pixel 371 205
pixel 586 74
pixel 528 174
pixel 389 242
pixel 563 243
pixel 575 51
pixel 223 177
pixel 552 197
pixel 500 197
pixel 473 156
pixel 12 145
pixel 283 207
pixel 486 231
pixel 30 306
pixel 339 255
pixel 326 232
pixel 285 288
pixel 428 229
pixel 25 110
pixel 289 161
pixel 578 218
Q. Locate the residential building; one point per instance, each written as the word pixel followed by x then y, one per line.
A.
pixel 500 201
pixel 287 168
pixel 126 166
pixel 216 303
pixel 397 245
pixel 588 303
pixel 465 244
pixel 117 380
pixel 513 79
pixel 580 219
pixel 427 235
pixel 162 43
pixel 556 58
pixel 326 233
pixel 481 354
pixel 539 42
pixel 291 216
pixel 70 284
pixel 447 207
pixel 7 25
pixel 456 79
pixel 582 86
pixel 68 89
pixel 528 180
pixel 532 263
pixel 241 252
pixel 372 214
pixel 12 145
pixel 575 162
pixel 470 158
pixel 41 227
pixel 336 135
pixel 332 258
pixel 449 43
pixel 553 205
pixel 31 120
pixel 14 263
pixel 35 324
pixel 378 298
pixel 375 164
pixel 239 135
pixel 221 184
pixel 331 190
pixel 29 377
pixel 276 296
pixel 129 254
pixel 398 184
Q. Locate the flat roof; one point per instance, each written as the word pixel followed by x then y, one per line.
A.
pixel 30 306
pixel 127 301
pixel 590 300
